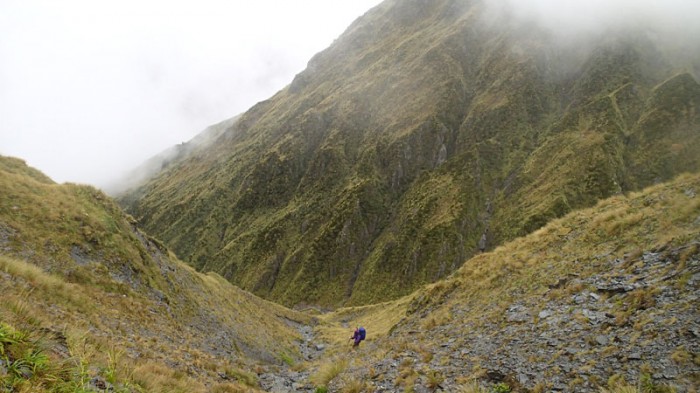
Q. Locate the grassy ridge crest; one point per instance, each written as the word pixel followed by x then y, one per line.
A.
pixel 87 299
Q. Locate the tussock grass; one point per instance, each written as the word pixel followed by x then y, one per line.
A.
pixel 378 319
pixel 434 379
pixel 621 389
pixel 232 388
pixel 51 286
pixel 75 270
pixel 682 356
pixel 471 387
pixel 328 371
pixel 157 378
pixel 354 386
pixel 244 377
pixel 32 273
pixel 644 385
pixel 33 365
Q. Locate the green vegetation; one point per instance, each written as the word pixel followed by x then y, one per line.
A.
pixel 645 385
pixel 30 362
pixel 354 386
pixel 95 340
pixel 288 360
pixel 87 298
pixel 500 387
pixel 434 379
pixel 328 371
pixel 381 166
pixel 551 268
pixel 246 378
pixel 471 387
pixel 368 184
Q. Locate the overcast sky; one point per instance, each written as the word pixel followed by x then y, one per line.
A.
pixel 91 88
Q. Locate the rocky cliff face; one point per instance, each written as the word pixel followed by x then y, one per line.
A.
pixel 424 128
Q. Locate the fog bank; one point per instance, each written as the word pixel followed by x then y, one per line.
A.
pixel 89 89
pixel 670 18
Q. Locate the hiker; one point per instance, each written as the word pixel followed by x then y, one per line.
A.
pixel 358 335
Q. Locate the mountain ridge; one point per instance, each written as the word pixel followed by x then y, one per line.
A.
pixel 99 301
pixel 161 161
pixel 422 129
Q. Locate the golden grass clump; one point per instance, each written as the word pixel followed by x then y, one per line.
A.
pixel 354 386
pixel 232 388
pixel 33 274
pixel 434 379
pixel 328 371
pixel 621 389
pixel 471 387
pixel 682 356
pixel 156 378
pixel 244 377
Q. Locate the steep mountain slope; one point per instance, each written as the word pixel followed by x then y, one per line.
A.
pixel 87 299
pixel 603 298
pixel 171 156
pixel 426 127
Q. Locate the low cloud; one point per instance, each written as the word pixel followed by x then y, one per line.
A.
pixel 671 18
pixel 90 89
pixel 578 25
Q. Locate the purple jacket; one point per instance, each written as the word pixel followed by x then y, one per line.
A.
pixel 356 336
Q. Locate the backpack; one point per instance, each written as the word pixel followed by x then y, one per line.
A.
pixel 363 333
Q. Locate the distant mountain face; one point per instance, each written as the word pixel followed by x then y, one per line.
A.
pixel 160 162
pixel 426 132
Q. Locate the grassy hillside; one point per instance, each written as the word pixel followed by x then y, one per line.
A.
pixel 603 298
pixel 424 128
pixel 87 300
